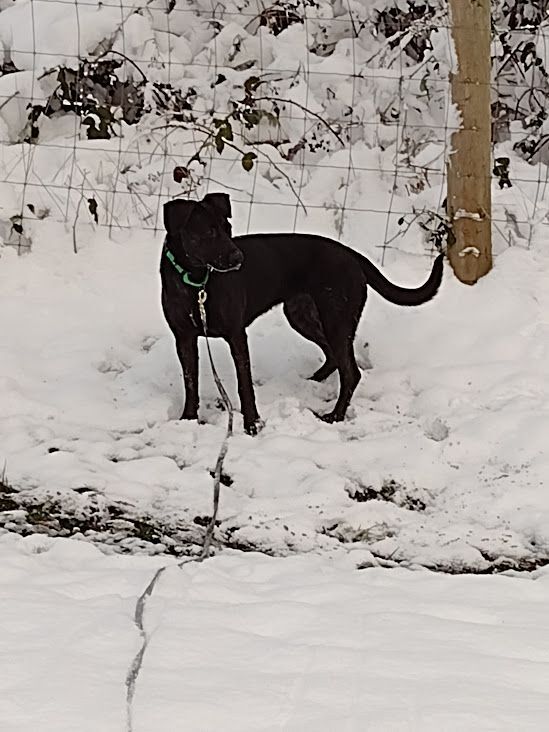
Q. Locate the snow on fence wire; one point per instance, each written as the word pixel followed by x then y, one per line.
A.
pixel 314 115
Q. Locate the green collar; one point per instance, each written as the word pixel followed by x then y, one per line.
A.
pixel 185 275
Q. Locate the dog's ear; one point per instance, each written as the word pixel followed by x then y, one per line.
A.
pixel 219 202
pixel 176 214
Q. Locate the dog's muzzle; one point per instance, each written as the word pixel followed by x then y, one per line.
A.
pixel 234 262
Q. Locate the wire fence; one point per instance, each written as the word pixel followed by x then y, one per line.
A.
pixel 313 115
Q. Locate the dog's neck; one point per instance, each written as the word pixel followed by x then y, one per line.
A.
pixel 196 273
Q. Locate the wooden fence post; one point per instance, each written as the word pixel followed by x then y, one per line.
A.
pixel 469 169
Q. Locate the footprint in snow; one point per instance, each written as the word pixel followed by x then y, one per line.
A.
pixel 148 343
pixel 112 366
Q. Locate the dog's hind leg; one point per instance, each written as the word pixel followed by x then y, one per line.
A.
pixel 327 369
pixel 339 315
pixel 302 314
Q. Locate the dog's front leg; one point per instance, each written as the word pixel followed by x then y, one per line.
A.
pixel 238 344
pixel 187 350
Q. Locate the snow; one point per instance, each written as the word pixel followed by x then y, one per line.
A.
pixel 470 250
pixel 462 214
pixel 446 435
pixel 249 643
pixel 332 617
pixel 79 29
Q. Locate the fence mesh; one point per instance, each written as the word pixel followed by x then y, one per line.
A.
pixel 313 115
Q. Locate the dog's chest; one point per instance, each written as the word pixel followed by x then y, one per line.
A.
pixel 180 306
pixel 182 312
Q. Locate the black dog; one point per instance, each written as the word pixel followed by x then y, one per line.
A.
pixel 321 283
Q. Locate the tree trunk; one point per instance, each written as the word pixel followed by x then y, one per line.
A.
pixel 469 168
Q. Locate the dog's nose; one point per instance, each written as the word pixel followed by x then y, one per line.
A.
pixel 235 258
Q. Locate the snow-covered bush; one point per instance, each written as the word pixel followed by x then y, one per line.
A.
pixel 521 64
pixel 102 103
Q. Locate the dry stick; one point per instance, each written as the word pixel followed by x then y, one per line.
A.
pixel 126 58
pixel 275 166
pixel 117 167
pixel 307 111
pixel 97 193
pixel 6 101
pixel 210 134
pixel 395 177
pixel 47 189
pixel 208 142
pixel 74 247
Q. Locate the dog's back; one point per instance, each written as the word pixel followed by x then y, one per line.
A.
pixel 279 266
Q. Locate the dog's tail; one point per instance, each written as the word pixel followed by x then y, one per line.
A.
pixel 402 295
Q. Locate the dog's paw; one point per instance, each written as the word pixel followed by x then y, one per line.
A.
pixel 254 428
pixel 329 418
pixel 189 417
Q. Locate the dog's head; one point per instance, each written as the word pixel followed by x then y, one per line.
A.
pixel 199 232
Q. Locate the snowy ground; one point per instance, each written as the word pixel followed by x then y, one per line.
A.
pixel 442 461
pixel 445 447
pixel 250 643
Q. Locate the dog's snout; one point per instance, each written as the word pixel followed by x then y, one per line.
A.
pixel 235 259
